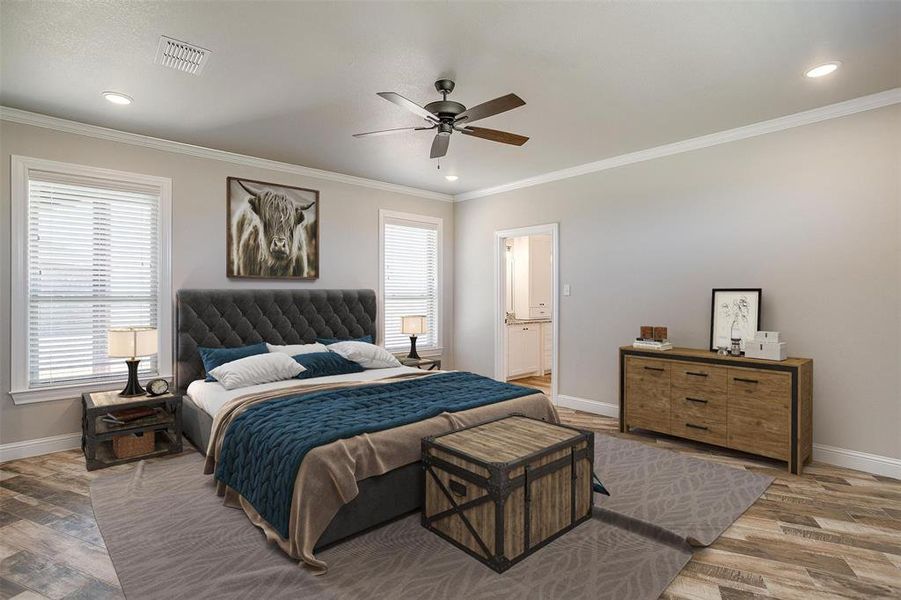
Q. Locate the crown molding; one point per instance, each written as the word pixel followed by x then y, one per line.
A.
pixel 807 117
pixel 25 117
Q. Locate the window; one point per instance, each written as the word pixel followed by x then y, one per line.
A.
pixel 411 273
pixel 90 252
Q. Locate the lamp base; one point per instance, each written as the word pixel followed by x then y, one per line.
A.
pixel 413 353
pixel 133 387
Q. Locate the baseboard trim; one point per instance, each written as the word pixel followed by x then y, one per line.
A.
pixel 47 445
pixel 860 461
pixel 591 406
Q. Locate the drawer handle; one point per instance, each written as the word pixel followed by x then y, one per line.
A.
pixel 698 400
pixel 696 374
pixel 693 426
pixel 743 380
pixel 655 368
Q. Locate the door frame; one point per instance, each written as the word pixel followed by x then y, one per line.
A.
pixel 500 309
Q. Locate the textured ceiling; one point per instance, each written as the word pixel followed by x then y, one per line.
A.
pixel 292 81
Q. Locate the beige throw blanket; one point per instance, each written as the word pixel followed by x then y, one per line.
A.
pixel 328 476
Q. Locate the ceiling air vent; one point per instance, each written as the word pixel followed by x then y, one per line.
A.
pixel 181 56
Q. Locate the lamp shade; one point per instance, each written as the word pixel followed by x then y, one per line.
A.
pixel 413 325
pixel 131 342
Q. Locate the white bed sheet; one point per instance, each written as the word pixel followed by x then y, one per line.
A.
pixel 211 396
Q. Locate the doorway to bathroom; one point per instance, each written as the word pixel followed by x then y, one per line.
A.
pixel 526 328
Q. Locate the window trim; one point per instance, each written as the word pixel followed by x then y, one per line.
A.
pixel 384 215
pixel 19 172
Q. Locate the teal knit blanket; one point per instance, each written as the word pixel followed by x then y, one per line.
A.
pixel 264 446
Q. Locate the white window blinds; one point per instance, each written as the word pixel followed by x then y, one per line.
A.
pixel 93 263
pixel 411 284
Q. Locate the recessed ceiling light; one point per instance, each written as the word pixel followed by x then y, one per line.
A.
pixel 823 70
pixel 117 98
pixel 451 177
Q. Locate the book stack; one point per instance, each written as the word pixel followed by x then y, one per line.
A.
pixel 647 344
pixel 121 417
pixel 653 337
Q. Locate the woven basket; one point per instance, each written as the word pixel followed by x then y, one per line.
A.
pixel 134 444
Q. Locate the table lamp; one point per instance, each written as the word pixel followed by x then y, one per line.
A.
pixel 413 325
pixel 130 343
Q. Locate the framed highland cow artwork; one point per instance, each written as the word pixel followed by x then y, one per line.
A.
pixel 273 230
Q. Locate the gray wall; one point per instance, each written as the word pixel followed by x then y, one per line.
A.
pixel 348 231
pixel 811 215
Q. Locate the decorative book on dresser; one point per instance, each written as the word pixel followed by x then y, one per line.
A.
pixel 756 406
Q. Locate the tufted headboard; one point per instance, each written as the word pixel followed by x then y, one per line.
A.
pixel 228 318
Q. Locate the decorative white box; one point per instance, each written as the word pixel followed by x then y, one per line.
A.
pixel 767 336
pixel 765 350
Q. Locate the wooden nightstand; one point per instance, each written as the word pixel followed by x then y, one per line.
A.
pixel 97 435
pixel 426 364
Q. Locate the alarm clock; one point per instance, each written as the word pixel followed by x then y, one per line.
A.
pixel 157 387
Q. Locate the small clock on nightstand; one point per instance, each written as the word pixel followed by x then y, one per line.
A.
pixel 157 387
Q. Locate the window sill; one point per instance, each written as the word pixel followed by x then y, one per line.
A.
pixel 69 392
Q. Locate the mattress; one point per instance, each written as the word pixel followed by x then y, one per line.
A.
pixel 211 396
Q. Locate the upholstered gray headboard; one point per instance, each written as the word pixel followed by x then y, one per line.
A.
pixel 228 318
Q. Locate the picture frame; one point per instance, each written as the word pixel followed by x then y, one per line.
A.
pixel 272 230
pixel 734 311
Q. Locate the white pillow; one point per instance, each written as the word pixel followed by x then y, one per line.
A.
pixel 260 368
pixel 295 349
pixel 368 356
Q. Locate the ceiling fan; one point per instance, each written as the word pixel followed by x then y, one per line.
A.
pixel 448 116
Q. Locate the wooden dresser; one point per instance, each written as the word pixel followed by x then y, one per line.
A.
pixel 757 406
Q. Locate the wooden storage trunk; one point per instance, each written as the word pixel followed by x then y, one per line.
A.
pixel 503 489
pixel 134 444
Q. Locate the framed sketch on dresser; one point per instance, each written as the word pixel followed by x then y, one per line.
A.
pixel 734 313
pixel 273 230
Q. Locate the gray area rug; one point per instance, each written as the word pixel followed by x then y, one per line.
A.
pixel 169 536
pixel 695 499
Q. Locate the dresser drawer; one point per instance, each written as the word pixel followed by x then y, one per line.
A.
pixel 766 387
pixel 759 426
pixel 647 394
pixel 699 429
pixel 646 372
pixel 689 405
pixel 648 412
pixel 699 377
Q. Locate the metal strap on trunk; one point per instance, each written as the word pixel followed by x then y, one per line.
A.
pixel 527 509
pixel 572 485
pixel 457 509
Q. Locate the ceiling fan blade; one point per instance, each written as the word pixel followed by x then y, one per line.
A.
pixel 439 146
pixel 396 130
pixel 494 135
pixel 408 104
pixel 491 108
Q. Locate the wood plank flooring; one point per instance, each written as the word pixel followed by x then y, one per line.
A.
pixel 831 534
pixel 539 382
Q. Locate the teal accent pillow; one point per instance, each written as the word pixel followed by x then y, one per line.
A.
pixel 328 341
pixel 214 357
pixel 321 364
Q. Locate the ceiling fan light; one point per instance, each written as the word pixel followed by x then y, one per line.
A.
pixel 823 69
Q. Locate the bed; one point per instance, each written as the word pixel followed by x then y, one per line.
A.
pixel 229 318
